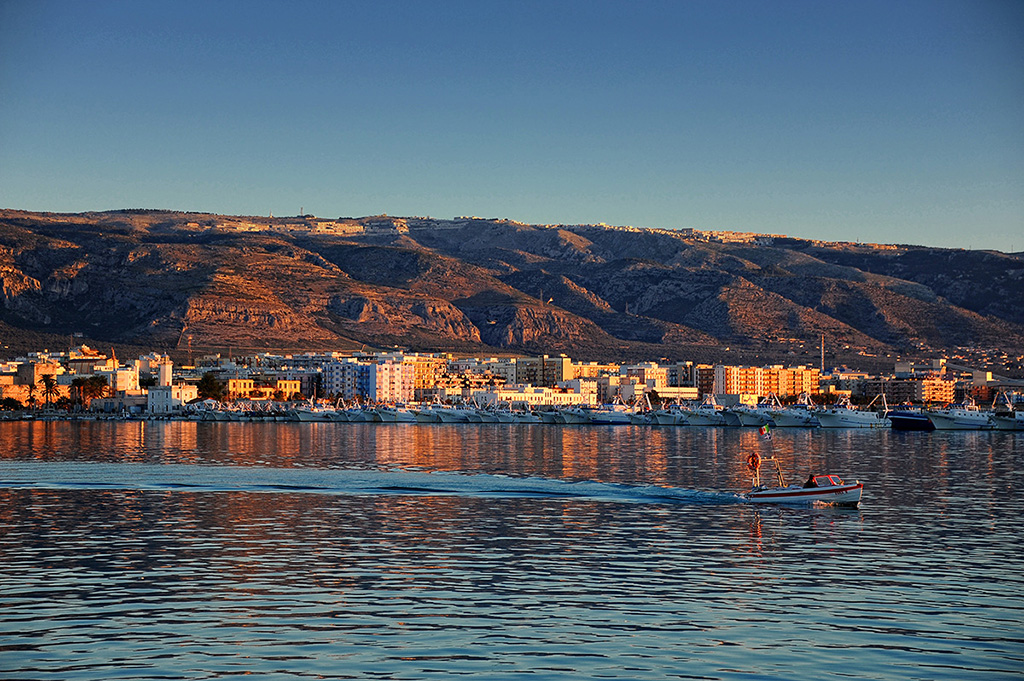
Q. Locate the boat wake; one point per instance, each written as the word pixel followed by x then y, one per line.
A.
pixel 195 478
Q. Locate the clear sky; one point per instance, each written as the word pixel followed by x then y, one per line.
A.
pixel 888 121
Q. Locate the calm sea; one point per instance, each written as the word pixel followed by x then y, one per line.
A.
pixel 182 550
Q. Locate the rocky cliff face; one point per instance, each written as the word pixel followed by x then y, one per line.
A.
pixel 158 278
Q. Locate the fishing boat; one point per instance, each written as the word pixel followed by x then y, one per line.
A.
pixel 819 489
pixel 708 413
pixel 609 415
pixel 672 415
pixel 909 417
pixel 845 415
pixel 797 415
pixel 1006 416
pixel 1011 420
pixel 964 416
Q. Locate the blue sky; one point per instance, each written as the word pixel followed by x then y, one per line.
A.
pixel 869 121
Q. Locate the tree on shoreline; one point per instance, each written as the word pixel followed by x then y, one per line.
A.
pixel 87 388
pixel 209 387
pixel 50 389
pixel 32 395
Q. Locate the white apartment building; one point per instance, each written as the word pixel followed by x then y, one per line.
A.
pixel 390 382
pixel 384 381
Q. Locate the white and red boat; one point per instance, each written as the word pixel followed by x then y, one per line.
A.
pixel 819 489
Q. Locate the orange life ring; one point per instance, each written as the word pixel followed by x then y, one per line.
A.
pixel 753 462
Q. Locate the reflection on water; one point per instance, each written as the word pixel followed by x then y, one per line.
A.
pixel 146 580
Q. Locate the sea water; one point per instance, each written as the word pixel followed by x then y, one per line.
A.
pixel 181 550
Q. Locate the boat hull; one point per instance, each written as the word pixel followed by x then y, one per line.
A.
pixel 840 495
pixel 700 417
pixel 851 418
pixel 910 420
pixel 794 419
pixel 959 419
pixel 1014 421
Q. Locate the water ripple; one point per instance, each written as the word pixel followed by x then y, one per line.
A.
pixel 171 554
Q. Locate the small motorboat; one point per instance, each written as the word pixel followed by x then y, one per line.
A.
pixel 819 489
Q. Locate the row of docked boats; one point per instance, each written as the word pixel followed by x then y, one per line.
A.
pixel 963 416
pixel 771 413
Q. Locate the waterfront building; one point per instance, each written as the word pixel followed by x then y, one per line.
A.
pixel 593 369
pixel 680 374
pixel 32 372
pixel 543 371
pixel 389 382
pixel 528 396
pixel 340 377
pixel 583 386
pixel 704 379
pixel 677 393
pixel 618 387
pixel 760 381
pixel 239 388
pixel 171 399
pixel 381 381
pixel 898 390
pixel 649 374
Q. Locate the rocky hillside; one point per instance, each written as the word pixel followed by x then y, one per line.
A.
pixel 159 278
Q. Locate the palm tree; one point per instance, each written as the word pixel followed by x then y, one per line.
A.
pixel 77 387
pixel 32 394
pixel 93 387
pixel 50 388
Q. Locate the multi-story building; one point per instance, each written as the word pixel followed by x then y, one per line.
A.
pixel 340 377
pixel 704 378
pixel 796 380
pixel 544 370
pixel 381 381
pixel 935 390
pixel 649 374
pixel 388 382
pixel 759 381
pixel 680 374
pixel 584 386
pixel 240 388
pixel 520 396
pixel 593 369
pixel 120 379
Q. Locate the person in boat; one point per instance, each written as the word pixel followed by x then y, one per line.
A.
pixel 810 481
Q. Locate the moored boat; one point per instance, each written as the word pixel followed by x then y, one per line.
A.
pixel 750 416
pixel 574 416
pixel 708 413
pixel 609 415
pixel 799 415
pixel 910 419
pixel 672 415
pixel 964 416
pixel 845 415
pixel 1012 420
pixel 1005 414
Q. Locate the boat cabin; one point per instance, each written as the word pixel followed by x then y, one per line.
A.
pixel 823 481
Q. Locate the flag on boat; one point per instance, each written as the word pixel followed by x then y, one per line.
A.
pixel 766 432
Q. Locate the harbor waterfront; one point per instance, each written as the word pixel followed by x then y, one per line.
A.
pixel 290 550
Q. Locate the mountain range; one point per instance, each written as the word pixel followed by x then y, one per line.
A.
pixel 170 280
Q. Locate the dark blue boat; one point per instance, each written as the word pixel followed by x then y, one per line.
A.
pixel 910 420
